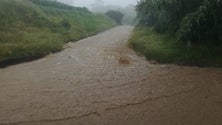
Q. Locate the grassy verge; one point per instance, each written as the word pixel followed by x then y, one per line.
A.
pixel 30 29
pixel 165 49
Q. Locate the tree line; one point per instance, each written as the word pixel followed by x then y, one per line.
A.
pixel 195 21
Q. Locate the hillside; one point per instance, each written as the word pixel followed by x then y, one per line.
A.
pixel 31 29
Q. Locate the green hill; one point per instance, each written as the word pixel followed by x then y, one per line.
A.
pixel 31 29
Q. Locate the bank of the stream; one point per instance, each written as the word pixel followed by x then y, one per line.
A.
pixel 164 48
pixel 31 29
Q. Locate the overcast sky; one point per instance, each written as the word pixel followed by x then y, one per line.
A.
pixel 87 3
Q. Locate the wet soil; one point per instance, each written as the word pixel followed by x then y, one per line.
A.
pixel 100 81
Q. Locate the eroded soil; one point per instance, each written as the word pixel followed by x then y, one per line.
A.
pixel 100 81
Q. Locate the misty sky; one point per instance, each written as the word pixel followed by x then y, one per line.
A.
pixel 87 3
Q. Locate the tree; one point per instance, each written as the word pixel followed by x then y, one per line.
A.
pixel 129 15
pixel 203 25
pixel 196 21
pixel 115 15
pixel 165 15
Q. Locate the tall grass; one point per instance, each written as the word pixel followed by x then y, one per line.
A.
pixel 34 28
pixel 164 48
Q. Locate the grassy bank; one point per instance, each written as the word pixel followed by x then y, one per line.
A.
pixel 165 49
pixel 34 28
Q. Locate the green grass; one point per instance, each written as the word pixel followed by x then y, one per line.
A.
pixel 164 48
pixel 34 28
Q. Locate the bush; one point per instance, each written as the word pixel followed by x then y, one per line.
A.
pixel 203 25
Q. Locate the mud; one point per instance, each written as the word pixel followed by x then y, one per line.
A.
pixel 100 81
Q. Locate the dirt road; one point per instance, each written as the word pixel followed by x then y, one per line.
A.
pixel 100 81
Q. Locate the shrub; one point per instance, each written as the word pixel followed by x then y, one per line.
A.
pixel 203 25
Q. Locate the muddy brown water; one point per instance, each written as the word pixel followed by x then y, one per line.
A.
pixel 100 81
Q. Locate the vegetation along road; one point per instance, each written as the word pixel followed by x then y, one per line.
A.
pixel 100 81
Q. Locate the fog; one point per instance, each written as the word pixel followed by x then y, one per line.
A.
pixel 88 3
pixel 126 7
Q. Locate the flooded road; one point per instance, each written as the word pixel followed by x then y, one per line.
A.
pixel 100 81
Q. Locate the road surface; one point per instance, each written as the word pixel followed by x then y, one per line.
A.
pixel 100 81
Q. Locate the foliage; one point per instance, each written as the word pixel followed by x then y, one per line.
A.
pixel 55 4
pixel 194 25
pixel 196 21
pixel 115 15
pixel 129 11
pixel 203 25
pixel 34 28
pixel 165 15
